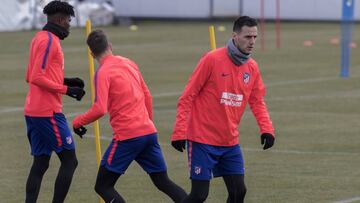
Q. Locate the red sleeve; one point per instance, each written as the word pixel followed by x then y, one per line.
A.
pixel 148 97
pixel 39 72
pixel 258 106
pixel 99 108
pixel 197 80
pixel 147 94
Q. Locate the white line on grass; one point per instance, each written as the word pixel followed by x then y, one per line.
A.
pixel 272 84
pixel 70 115
pixel 259 150
pixel 305 81
pixel 284 98
pixel 168 94
pixel 18 109
pixel 11 109
pixel 348 200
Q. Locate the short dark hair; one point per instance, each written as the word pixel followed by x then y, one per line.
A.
pixel 244 21
pixel 97 42
pixel 56 7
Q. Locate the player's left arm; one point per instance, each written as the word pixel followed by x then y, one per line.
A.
pixel 259 109
pixel 39 73
pixel 148 97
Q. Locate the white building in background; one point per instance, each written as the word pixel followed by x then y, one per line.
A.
pixel 27 14
pixel 289 9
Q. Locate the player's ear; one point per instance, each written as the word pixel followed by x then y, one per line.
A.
pixel 110 46
pixel 233 34
pixel 92 54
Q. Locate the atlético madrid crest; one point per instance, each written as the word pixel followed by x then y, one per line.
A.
pixel 197 170
pixel 68 140
pixel 246 78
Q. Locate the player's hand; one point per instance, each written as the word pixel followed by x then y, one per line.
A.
pixel 179 145
pixel 80 131
pixel 267 140
pixel 75 92
pixel 74 82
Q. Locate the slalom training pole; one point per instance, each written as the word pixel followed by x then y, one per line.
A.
pixel 347 24
pixel 96 123
pixel 212 37
pixel 262 25
pixel 278 24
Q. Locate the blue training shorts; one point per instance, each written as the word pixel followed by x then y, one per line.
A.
pixel 145 150
pixel 206 161
pixel 47 134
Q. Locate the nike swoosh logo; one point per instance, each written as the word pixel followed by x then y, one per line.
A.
pixel 224 74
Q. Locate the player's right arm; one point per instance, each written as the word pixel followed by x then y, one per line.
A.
pixel 38 73
pixel 99 108
pixel 148 98
pixel 196 82
pixel 147 94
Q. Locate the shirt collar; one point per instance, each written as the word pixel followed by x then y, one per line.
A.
pixel 105 58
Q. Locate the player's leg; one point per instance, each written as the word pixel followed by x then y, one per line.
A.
pixel 66 171
pixel 117 158
pixel 199 191
pixel 152 161
pixel 201 159
pixel 41 155
pixel 231 168
pixel 38 169
pixel 104 186
pixel 63 144
pixel 167 186
pixel 236 188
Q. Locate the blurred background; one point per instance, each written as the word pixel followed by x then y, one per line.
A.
pixel 27 14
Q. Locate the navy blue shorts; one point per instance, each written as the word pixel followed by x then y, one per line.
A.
pixel 47 134
pixel 145 150
pixel 206 161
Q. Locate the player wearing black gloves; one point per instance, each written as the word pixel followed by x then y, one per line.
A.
pixel 47 129
pixel 75 88
pixel 209 113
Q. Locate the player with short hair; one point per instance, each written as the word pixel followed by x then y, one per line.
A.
pixel 209 112
pixel 121 91
pixel 47 129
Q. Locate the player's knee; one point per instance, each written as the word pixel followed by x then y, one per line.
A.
pixel 199 196
pixel 71 163
pixel 41 165
pixel 160 180
pixel 243 192
pixel 159 185
pixel 99 187
pixel 75 163
pixel 237 194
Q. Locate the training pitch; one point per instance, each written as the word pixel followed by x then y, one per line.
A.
pixel 316 157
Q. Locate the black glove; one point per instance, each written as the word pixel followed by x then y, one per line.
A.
pixel 74 82
pixel 267 140
pixel 75 92
pixel 80 131
pixel 179 145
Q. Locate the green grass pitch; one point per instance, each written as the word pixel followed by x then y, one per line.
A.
pixel 316 157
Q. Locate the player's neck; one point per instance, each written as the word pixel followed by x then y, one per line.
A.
pixel 102 57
